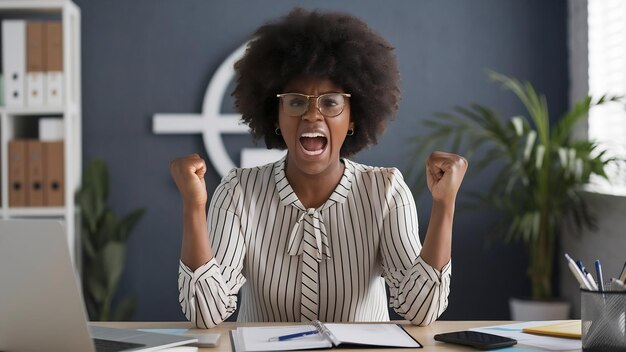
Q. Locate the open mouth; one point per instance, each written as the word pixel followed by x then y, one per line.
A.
pixel 313 143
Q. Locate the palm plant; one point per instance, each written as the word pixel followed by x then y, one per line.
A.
pixel 103 240
pixel 541 169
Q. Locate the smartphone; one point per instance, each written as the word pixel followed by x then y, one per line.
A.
pixel 479 340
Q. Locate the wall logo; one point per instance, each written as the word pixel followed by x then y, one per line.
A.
pixel 211 123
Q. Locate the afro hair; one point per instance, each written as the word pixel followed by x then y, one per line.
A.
pixel 334 46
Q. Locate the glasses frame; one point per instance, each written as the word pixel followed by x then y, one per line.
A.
pixel 317 102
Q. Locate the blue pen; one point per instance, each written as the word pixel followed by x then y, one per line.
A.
pixel 599 274
pixel 293 336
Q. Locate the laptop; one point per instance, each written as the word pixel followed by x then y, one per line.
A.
pixel 41 305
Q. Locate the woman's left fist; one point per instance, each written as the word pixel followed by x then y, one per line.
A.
pixel 444 174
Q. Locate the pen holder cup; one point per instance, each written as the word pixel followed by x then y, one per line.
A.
pixel 603 316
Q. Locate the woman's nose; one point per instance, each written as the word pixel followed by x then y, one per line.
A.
pixel 313 113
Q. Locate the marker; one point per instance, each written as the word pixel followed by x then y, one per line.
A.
pixel 292 336
pixel 580 265
pixel 599 274
pixel 587 275
pixel 577 273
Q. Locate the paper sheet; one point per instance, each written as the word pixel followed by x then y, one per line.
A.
pixel 514 331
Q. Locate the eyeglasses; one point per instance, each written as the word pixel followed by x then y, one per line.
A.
pixel 329 104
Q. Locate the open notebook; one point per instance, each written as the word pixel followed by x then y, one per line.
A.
pixel 256 339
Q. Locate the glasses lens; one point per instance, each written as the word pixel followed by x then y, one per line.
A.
pixel 331 104
pixel 295 104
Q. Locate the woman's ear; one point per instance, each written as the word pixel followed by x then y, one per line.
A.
pixel 351 126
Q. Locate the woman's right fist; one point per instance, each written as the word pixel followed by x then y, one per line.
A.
pixel 188 174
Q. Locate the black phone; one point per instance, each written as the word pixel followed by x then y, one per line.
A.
pixel 479 340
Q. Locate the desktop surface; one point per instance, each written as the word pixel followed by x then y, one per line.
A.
pixel 424 334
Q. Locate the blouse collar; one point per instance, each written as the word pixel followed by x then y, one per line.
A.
pixel 289 197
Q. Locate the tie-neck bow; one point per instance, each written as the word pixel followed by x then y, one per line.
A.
pixel 309 234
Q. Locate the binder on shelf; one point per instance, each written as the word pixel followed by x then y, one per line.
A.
pixel 34 173
pixel 14 61
pixel 54 187
pixel 51 129
pixel 17 173
pixel 54 63
pixel 35 60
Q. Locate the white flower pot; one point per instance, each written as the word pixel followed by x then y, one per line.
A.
pixel 528 310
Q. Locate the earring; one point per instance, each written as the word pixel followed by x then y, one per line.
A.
pixel 351 132
pixel 277 131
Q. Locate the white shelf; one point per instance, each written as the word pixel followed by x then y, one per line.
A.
pixel 70 111
pixel 34 212
pixel 33 110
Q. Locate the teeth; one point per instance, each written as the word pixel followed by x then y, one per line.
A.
pixel 312 135
pixel 313 152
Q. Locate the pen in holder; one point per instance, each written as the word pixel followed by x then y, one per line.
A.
pixel 603 316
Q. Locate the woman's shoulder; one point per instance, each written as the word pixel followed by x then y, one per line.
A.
pixel 387 172
pixel 245 175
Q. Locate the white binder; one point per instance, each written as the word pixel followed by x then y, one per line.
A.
pixel 14 61
pixel 35 89
pixel 54 88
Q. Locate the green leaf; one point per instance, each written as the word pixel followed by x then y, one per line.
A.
pixel 107 231
pixel 88 248
pixel 125 310
pixel 128 223
pixel 96 289
pixel 92 196
pixel 113 262
pixel 91 208
pixel 96 176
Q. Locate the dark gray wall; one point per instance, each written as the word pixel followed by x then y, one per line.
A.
pixel 144 56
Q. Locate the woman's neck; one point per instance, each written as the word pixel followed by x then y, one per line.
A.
pixel 314 190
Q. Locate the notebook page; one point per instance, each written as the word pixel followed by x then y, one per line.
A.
pixel 256 339
pixel 390 335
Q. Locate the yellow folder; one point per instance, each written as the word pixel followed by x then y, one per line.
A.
pixel 571 329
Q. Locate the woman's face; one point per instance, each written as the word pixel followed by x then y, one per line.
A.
pixel 313 140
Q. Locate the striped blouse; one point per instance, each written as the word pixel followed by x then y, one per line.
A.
pixel 368 234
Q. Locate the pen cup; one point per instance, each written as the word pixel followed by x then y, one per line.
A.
pixel 603 316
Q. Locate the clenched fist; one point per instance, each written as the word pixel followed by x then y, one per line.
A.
pixel 444 174
pixel 188 174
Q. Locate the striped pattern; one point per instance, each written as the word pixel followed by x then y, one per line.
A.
pixel 310 238
pixel 366 234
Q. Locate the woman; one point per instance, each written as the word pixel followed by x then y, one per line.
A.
pixel 315 235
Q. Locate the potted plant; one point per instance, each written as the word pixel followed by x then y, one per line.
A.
pixel 541 170
pixel 103 240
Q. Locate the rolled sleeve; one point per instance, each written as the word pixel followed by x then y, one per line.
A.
pixel 420 294
pixel 204 295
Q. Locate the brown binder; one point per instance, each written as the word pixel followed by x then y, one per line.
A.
pixel 17 173
pixel 54 46
pixel 34 173
pixel 54 63
pixel 35 61
pixel 54 190
pixel 35 48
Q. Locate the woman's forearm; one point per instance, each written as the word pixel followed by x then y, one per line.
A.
pixel 437 247
pixel 196 248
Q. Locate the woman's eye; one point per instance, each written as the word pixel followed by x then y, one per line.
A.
pixel 329 102
pixel 297 102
